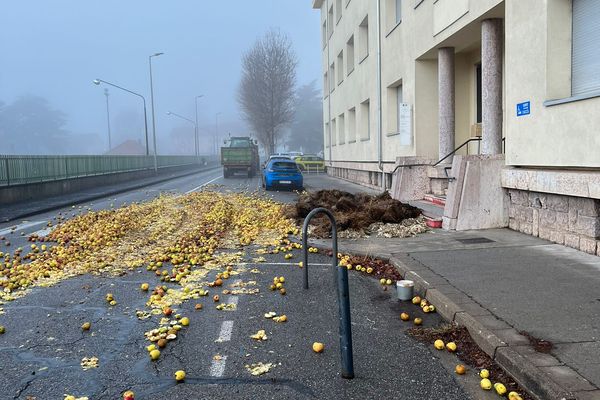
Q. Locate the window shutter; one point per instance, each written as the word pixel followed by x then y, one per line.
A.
pixel 585 67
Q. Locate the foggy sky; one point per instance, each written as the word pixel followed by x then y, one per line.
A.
pixel 55 49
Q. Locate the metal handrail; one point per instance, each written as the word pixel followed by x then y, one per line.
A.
pixel 475 139
pixel 341 277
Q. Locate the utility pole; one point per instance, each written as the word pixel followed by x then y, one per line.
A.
pixel 152 105
pixel 108 120
pixel 217 133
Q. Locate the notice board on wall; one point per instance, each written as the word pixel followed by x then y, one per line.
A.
pixel 405 124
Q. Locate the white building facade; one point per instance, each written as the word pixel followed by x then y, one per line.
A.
pixel 504 96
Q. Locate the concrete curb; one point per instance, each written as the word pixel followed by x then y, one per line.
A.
pixel 65 203
pixel 532 378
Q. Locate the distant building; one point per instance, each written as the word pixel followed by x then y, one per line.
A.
pixel 508 90
pixel 128 148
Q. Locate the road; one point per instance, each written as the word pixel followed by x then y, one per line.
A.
pixel 41 351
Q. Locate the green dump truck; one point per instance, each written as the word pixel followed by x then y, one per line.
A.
pixel 241 155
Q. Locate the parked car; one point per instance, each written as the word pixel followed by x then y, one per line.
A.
pixel 282 173
pixel 310 162
pixel 280 157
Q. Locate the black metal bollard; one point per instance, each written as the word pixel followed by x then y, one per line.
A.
pixel 341 278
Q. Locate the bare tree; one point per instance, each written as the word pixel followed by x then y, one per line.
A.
pixel 266 92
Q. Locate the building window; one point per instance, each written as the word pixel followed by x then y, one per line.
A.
pixel 340 68
pixel 585 59
pixel 352 125
pixel 332 78
pixel 363 38
pixel 327 137
pixel 324 34
pixel 325 85
pixel 332 132
pixel 398 11
pixel 365 120
pixel 341 129
pixel 399 102
pixel 338 9
pixel 330 21
pixel 350 55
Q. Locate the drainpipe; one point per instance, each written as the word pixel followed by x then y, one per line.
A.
pixel 379 96
pixel 327 28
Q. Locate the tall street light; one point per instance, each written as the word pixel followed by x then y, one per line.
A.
pixel 216 139
pixel 196 133
pixel 99 81
pixel 108 120
pixel 189 120
pixel 152 106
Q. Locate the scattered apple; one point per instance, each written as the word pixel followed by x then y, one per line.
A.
pixel 318 347
pixel 485 384
pixel 460 369
pixel 451 347
pixel 154 354
pixel 180 376
pixel 500 388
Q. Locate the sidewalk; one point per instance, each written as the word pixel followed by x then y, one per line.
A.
pixel 499 283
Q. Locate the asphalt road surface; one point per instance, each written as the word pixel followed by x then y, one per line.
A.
pixel 41 351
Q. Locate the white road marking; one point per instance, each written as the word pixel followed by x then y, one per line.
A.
pixel 226 329
pixel 201 186
pixel 281 263
pixel 234 300
pixel 43 232
pixel 20 227
pixel 217 368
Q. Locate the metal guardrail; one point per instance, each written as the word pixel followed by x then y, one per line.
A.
pixel 341 279
pixel 18 170
pixel 313 169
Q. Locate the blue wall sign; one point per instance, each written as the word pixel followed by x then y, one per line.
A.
pixel 523 109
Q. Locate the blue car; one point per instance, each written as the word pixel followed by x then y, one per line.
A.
pixel 282 174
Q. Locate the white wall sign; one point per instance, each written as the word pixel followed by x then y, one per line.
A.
pixel 405 124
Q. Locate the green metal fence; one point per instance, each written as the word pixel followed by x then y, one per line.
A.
pixel 16 170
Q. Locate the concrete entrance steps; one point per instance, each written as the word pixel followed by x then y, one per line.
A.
pixel 432 207
pixel 437 200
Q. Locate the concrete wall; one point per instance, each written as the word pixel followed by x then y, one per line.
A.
pixel 538 50
pixel 476 199
pixel 18 193
pixel 572 221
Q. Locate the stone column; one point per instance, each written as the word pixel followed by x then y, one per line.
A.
pixel 491 85
pixel 446 101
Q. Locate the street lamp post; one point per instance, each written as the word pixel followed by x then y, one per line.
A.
pixel 216 139
pixel 189 120
pixel 108 120
pixel 152 106
pixel 197 142
pixel 99 81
